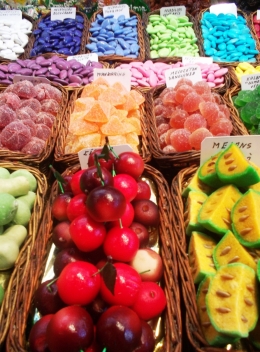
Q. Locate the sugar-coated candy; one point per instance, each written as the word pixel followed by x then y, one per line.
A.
pixel 32 103
pixel 42 131
pixel 7 115
pixel 15 135
pixel 34 146
pixel 10 99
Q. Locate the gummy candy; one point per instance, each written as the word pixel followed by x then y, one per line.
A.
pixel 26 113
pixel 191 102
pixel 198 136
pixel 195 121
pixel 32 103
pixel 182 92
pixel 182 81
pixel 34 147
pixel 178 118
pixel 7 115
pixel 201 87
pixel 24 89
pixel 15 135
pixel 222 127
pixel 10 99
pixel 45 118
pixel 31 125
pixel 159 120
pixel 169 149
pixel 169 99
pixel 162 128
pixel 180 140
pixel 47 91
pixel 50 105
pixel 209 111
pixel 168 135
pixel 42 131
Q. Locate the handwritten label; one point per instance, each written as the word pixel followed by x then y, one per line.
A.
pixel 60 13
pixel 32 79
pixel 84 58
pixel 116 10
pixel 112 76
pixel 250 82
pixel 84 153
pixel 258 14
pixel 196 60
pixel 10 15
pixel 173 75
pixel 173 10
pixel 224 8
pixel 248 144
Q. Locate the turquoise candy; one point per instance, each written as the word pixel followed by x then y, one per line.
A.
pixel 227 38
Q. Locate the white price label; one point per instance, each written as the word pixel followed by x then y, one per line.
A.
pixel 173 75
pixel 84 58
pixel 258 15
pixel 116 10
pixel 224 8
pixel 173 10
pixel 60 13
pixel 32 79
pixel 84 153
pixel 250 82
pixel 112 76
pixel 248 144
pixel 10 15
pixel 197 60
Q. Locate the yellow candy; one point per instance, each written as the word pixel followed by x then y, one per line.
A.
pixel 244 66
pixel 239 70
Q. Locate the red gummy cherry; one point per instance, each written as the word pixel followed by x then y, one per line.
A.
pixel 126 288
pixel 77 206
pixel 74 182
pixel 37 337
pixel 59 206
pixel 126 219
pixel 129 163
pixel 106 203
pixel 127 185
pixel 121 244
pixel 108 164
pixel 86 233
pixel 143 190
pixel 90 179
pixel 78 283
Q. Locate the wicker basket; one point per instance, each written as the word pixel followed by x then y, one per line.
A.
pixel 181 159
pixel 220 90
pixel 193 328
pixel 147 41
pixel 192 6
pixel 28 47
pixel 23 261
pixel 239 12
pixel 42 160
pixel 70 159
pixel 83 38
pixel 17 338
pixel 113 58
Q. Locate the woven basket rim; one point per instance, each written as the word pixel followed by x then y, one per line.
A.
pixel 12 293
pixel 16 339
pixel 243 14
pixel 83 38
pixel 112 58
pixel 70 159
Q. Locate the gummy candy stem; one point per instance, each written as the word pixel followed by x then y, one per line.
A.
pixel 99 172
pixel 143 272
pixel 99 270
pixel 113 171
pixel 111 148
pixel 104 350
pixel 58 177
pixel 120 223
pixel 61 188
pixel 50 283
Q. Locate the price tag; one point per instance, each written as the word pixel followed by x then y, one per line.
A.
pixel 258 14
pixel 84 58
pixel 33 79
pixel 116 10
pixel 250 82
pixel 197 60
pixel 10 15
pixel 248 144
pixel 84 153
pixel 60 13
pixel 173 75
pixel 112 76
pixel 173 10
pixel 224 8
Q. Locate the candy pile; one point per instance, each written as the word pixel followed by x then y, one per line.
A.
pixel 247 103
pixel 227 38
pixel 63 37
pixel 104 110
pixel 188 113
pixel 149 74
pixel 56 69
pixel 111 36
pixel 245 68
pixel 13 37
pixel 171 36
pixel 256 24
pixel 27 113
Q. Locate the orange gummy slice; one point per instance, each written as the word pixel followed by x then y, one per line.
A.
pixel 81 127
pixel 134 113
pixel 135 123
pixel 120 88
pixel 87 141
pixel 115 127
pixel 132 138
pixel 116 140
pixel 101 81
pixel 92 90
pixel 112 96
pixel 99 112
pixel 121 114
pixel 129 104
pixel 83 104
pixel 139 99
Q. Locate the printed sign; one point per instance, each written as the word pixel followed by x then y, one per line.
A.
pixel 224 8
pixel 196 59
pixel 84 153
pixel 116 10
pixel 173 75
pixel 84 58
pixel 33 79
pixel 112 76
pixel 250 82
pixel 248 144
pixel 173 10
pixel 258 14
pixel 10 15
pixel 60 13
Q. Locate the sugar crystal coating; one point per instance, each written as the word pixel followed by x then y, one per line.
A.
pixel 31 125
pixel 46 91
pixel 15 135
pixel 26 113
pixel 42 131
pixel 180 140
pixel 197 137
pixel 45 118
pixel 7 115
pixel 10 99
pixel 24 89
pixel 32 103
pixel 35 146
